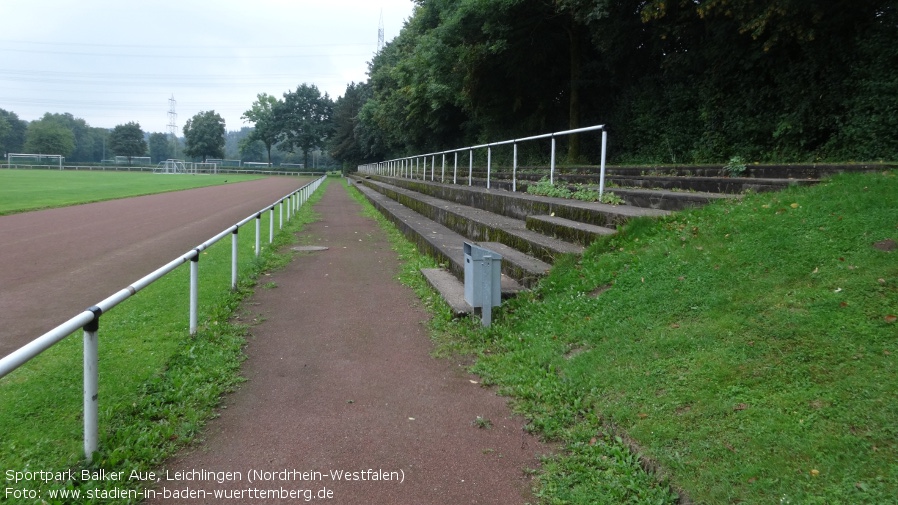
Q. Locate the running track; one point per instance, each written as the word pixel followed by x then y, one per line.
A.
pixel 56 263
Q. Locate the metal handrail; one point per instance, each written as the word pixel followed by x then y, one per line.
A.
pixel 402 167
pixel 90 317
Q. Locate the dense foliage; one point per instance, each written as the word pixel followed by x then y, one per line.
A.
pixel 128 140
pixel 204 135
pixel 161 147
pixel 301 122
pixel 676 81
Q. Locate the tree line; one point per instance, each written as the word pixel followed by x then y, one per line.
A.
pixel 78 142
pixel 675 81
pixel 297 125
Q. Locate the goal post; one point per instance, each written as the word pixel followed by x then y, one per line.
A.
pixel 33 159
pixel 135 160
pixel 171 167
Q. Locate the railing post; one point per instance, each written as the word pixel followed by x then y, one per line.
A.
pixel 443 170
pixel 271 225
pixel 455 170
pixel 514 169
pixel 234 259
pixel 433 165
pixel 489 162
pixel 602 170
pixel 258 232
pixel 281 215
pixel 552 166
pixel 470 166
pixel 194 289
pixel 91 384
pixel 424 175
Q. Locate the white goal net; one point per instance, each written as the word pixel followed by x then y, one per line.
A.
pixel 34 160
pixel 172 167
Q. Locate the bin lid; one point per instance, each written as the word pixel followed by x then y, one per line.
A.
pixel 478 253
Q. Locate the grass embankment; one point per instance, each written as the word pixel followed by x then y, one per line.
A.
pixel 158 385
pixel 747 348
pixel 26 190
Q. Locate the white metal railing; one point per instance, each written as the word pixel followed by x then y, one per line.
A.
pixel 89 319
pixel 404 167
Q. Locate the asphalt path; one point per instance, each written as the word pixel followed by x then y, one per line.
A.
pixel 55 263
pixel 343 402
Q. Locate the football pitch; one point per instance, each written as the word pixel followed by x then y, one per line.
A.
pixel 27 190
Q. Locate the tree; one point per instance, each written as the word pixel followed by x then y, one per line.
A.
pixel 204 134
pixel 5 128
pixel 160 147
pixel 261 114
pixel 13 140
pixel 98 137
pixel 84 140
pixel 303 119
pixel 252 150
pixel 49 137
pixel 127 140
pixel 345 144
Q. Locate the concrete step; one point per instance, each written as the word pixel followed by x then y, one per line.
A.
pixel 519 205
pixel 566 229
pixel 443 244
pixel 450 288
pixel 668 200
pixel 726 185
pixel 527 269
pixel 477 224
pixel 651 181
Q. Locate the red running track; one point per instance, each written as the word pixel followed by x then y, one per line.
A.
pixel 56 263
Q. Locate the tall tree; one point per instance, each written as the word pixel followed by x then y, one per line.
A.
pixel 49 137
pixel 84 141
pixel 204 134
pixel 252 150
pixel 5 128
pixel 160 147
pixel 98 140
pixel 261 114
pixel 303 119
pixel 127 140
pixel 13 140
pixel 345 144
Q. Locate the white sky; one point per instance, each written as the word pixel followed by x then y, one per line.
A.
pixel 114 61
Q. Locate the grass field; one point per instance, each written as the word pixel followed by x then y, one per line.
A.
pixel 25 190
pixel 158 385
pixel 747 351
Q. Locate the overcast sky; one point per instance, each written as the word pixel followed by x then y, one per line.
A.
pixel 114 61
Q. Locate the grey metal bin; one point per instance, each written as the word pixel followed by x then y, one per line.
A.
pixel 483 276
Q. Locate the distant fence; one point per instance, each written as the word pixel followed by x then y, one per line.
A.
pixel 410 166
pixel 89 319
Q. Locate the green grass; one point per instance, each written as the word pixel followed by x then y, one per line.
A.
pixel 746 351
pixel 749 348
pixel 25 190
pixel 158 385
pixel 602 472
